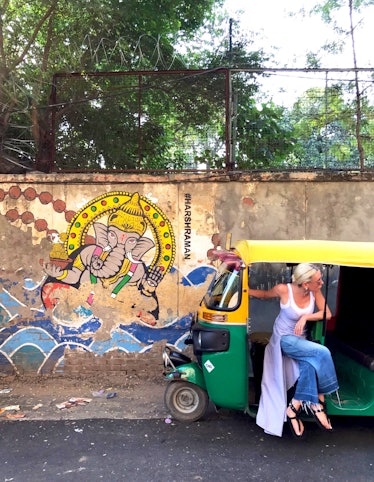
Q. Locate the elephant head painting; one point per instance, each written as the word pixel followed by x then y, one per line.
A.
pixel 115 259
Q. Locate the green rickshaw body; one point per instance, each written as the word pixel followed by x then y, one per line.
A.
pixel 226 373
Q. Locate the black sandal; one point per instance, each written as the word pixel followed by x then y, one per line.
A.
pixel 323 403
pixel 299 423
pixel 317 420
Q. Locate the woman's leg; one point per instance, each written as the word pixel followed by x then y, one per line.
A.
pixel 306 387
pixel 293 413
pixel 309 356
pixel 306 381
pixel 316 355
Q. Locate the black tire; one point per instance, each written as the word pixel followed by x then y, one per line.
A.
pixel 186 401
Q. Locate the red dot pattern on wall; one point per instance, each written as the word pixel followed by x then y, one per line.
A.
pixel 27 217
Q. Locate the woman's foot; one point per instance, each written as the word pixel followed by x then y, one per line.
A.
pixel 320 417
pixel 292 413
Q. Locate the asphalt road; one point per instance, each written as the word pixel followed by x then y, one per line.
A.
pixel 223 447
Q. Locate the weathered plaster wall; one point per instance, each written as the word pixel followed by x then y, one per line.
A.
pixel 117 263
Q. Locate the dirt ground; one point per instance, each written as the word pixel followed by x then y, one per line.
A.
pixel 60 398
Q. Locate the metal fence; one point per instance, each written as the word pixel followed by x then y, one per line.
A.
pixel 220 119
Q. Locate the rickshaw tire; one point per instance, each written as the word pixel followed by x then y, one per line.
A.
pixel 185 401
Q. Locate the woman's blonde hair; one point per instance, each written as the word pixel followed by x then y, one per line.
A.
pixel 303 273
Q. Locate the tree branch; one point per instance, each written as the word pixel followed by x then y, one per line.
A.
pixel 360 147
pixel 37 29
pixel 48 44
pixel 2 51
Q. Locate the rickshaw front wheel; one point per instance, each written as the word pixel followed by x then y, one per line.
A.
pixel 186 401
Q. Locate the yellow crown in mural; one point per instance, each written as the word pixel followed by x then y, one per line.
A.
pixel 129 217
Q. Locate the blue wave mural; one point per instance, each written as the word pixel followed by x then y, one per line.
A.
pixel 39 343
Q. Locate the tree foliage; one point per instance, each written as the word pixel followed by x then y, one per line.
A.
pixel 174 121
pixel 323 126
pixel 347 29
pixel 140 120
pixel 39 38
pixel 264 138
pixel 323 121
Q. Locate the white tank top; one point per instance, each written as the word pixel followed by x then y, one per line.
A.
pixel 290 314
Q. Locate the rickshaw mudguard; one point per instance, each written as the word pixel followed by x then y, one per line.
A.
pixel 190 372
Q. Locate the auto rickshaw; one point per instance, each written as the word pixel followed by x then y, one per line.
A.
pixel 230 331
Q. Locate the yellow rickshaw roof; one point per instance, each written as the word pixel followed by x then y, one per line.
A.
pixel 344 253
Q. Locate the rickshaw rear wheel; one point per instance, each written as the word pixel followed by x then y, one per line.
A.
pixel 186 401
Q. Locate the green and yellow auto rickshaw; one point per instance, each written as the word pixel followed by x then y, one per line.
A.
pixel 231 329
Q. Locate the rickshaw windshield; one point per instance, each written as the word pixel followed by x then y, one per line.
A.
pixel 224 292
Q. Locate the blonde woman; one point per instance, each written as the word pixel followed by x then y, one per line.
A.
pixel 290 357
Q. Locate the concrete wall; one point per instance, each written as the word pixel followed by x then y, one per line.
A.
pixel 107 268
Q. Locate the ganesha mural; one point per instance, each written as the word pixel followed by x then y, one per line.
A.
pixel 100 278
pixel 114 255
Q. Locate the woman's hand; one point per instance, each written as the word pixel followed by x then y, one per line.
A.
pixel 300 325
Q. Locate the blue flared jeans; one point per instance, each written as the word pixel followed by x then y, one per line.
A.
pixel 317 371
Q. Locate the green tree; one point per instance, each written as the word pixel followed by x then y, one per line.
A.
pixel 177 120
pixel 352 9
pixel 259 137
pixel 324 129
pixel 264 137
pixel 40 37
